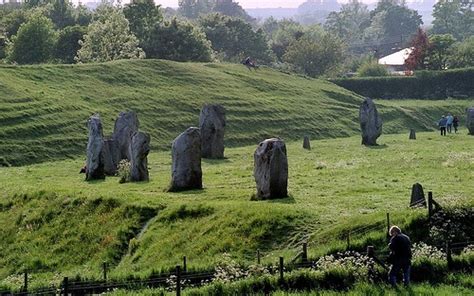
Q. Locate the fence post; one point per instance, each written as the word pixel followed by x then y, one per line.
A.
pixel 370 254
pixel 178 280
pixel 348 240
pixel 258 256
pixel 430 205
pixel 387 234
pixel 66 284
pixel 281 269
pixel 304 256
pixel 25 282
pixel 185 268
pixel 104 270
pixel 449 256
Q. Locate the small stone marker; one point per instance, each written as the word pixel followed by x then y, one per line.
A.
pixel 212 123
pixel 139 149
pixel 95 154
pixel 125 127
pixel 470 120
pixel 412 135
pixel 306 143
pixel 370 123
pixel 186 170
pixel 109 150
pixel 271 169
pixel 417 196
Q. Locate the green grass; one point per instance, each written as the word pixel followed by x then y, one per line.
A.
pixel 43 109
pixel 56 223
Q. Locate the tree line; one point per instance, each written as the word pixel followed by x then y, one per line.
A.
pixel 55 31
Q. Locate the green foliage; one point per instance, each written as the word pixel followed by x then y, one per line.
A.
pixel 68 43
pixel 193 9
pixel 61 13
pixel 178 41
pixel 12 21
pixel 282 34
pixel 372 69
pixel 438 52
pixel 316 57
pixel 453 17
pixel 462 54
pixel 234 39
pixel 143 16
pixel 424 85
pixel 34 42
pixel 123 171
pixel 109 38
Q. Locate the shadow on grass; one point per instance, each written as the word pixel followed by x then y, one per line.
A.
pixel 383 146
pixel 285 200
pixel 215 160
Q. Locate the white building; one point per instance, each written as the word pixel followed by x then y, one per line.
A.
pixel 395 62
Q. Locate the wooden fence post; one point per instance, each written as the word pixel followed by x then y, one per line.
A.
pixel 348 240
pixel 449 256
pixel 304 256
pixel 104 270
pixel 387 234
pixel 281 269
pixel 258 256
pixel 178 280
pixel 25 282
pixel 185 268
pixel 370 254
pixel 65 286
pixel 430 205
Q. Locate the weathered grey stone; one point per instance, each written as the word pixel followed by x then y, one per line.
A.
pixel 271 169
pixel 110 156
pixel 306 143
pixel 95 154
pixel 417 196
pixel 412 135
pixel 139 149
pixel 125 126
pixel 370 123
pixel 212 125
pixel 470 120
pixel 186 170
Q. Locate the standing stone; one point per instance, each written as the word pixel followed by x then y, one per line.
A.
pixel 412 135
pixel 212 125
pixel 470 120
pixel 186 170
pixel 271 169
pixel 125 126
pixel 306 143
pixel 370 123
pixel 139 149
pixel 110 155
pixel 95 154
pixel 417 196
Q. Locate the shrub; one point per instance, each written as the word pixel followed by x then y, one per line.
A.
pixel 123 171
pixel 372 69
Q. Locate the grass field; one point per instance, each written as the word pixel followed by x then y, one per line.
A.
pixel 43 109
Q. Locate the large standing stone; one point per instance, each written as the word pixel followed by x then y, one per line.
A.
pixel 125 127
pixel 271 169
pixel 412 135
pixel 110 156
pixel 139 149
pixel 306 143
pixel 470 120
pixel 417 196
pixel 186 157
pixel 95 154
pixel 370 123
pixel 212 125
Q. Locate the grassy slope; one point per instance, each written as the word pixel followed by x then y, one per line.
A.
pixel 339 185
pixel 43 109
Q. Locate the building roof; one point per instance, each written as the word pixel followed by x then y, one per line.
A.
pixel 397 58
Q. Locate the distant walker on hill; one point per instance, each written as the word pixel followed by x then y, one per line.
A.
pixel 249 63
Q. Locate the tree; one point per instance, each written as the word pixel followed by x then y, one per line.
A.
pixel 34 41
pixel 109 38
pixel 439 51
pixel 286 32
pixel 420 45
pixel 82 15
pixel 454 17
pixel 462 54
pixel 13 20
pixel 234 39
pixel 178 41
pixel 61 12
pixel 68 45
pixel 192 9
pixel 316 57
pixel 142 16
pixel 231 8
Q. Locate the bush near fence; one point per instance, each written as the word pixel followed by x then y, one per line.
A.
pixel 456 83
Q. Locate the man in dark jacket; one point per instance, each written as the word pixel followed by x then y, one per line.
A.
pixel 400 256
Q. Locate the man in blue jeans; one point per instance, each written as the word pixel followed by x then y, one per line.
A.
pixel 400 256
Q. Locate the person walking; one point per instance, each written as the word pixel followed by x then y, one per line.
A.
pixel 442 125
pixel 449 122
pixel 400 256
pixel 455 124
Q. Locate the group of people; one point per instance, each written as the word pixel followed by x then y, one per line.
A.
pixel 447 123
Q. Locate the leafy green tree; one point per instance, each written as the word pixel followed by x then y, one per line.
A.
pixel 178 41
pixel 142 16
pixel 286 33
pixel 231 8
pixel 61 12
pixel 316 57
pixel 82 15
pixel 455 17
pixel 109 38
pixel 192 9
pixel 234 39
pixel 34 41
pixel 439 51
pixel 462 54
pixel 68 45
pixel 12 21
